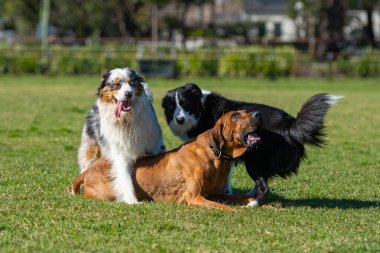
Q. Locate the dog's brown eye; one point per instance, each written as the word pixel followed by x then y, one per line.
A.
pixel 235 116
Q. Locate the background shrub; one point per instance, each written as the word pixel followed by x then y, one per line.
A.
pixel 238 63
pixel 202 64
pixel 369 64
pixel 26 64
pixel 6 64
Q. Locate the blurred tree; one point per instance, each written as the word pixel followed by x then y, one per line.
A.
pixel 306 14
pixel 176 20
pixel 332 20
pixel 82 17
pixel 325 18
pixel 369 7
pixel 127 13
pixel 22 15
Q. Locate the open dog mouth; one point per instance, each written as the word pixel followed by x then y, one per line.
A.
pixel 252 140
pixel 124 106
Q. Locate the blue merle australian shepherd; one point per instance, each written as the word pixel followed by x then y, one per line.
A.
pixel 190 111
pixel 122 126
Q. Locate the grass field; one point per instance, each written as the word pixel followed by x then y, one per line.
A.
pixel 332 205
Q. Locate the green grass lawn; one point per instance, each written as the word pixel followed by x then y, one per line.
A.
pixel 331 205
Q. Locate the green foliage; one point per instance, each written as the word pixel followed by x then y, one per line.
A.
pixel 201 64
pixel 87 62
pixel 369 64
pixel 27 64
pixel 20 62
pixel 6 64
pixel 366 65
pixel 236 65
pixel 112 62
pixel 257 61
pixel 346 67
pixel 239 63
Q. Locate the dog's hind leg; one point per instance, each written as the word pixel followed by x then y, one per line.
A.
pixel 89 151
pixel 201 201
pixel 254 192
pixel 77 185
pixel 263 190
pixel 241 200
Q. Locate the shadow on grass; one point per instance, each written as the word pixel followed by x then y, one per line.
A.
pixel 323 202
pixel 316 202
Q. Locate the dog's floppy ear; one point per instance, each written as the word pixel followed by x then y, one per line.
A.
pixel 227 132
pixel 168 104
pixel 221 132
pixel 168 101
pixel 103 82
pixel 148 92
pixel 139 82
pixel 227 127
pixel 235 149
pixel 195 90
pixel 216 138
pixel 137 78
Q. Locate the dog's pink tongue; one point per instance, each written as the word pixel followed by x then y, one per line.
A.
pixel 119 106
pixel 251 139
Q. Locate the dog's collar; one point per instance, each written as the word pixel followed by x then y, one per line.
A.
pixel 218 153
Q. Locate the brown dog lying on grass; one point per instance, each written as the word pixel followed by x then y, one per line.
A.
pixel 190 174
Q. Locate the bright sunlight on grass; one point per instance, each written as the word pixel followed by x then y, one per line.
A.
pixel 331 205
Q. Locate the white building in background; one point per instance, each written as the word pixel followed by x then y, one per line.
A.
pixel 272 14
pixel 357 20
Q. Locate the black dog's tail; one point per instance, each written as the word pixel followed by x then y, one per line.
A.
pixel 308 128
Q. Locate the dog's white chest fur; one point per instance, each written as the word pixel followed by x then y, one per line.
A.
pixel 136 134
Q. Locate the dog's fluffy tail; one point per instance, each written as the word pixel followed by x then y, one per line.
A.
pixel 308 128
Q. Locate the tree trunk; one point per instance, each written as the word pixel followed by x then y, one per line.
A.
pixel 183 23
pixel 323 31
pixel 369 28
pixel 120 18
pixel 331 26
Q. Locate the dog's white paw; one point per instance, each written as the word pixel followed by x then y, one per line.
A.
pixel 130 201
pixel 253 204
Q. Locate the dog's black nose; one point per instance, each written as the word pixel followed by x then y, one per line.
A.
pixel 180 119
pixel 128 94
pixel 257 115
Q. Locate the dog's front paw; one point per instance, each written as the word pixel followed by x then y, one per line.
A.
pixel 253 204
pixel 129 201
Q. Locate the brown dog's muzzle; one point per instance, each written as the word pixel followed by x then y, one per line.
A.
pixel 250 138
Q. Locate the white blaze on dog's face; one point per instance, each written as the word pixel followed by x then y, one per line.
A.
pixel 119 88
pixel 183 108
pixel 182 119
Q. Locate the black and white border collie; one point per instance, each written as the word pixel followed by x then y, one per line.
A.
pixel 190 111
pixel 122 126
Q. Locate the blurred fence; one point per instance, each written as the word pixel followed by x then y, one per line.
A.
pixel 271 62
